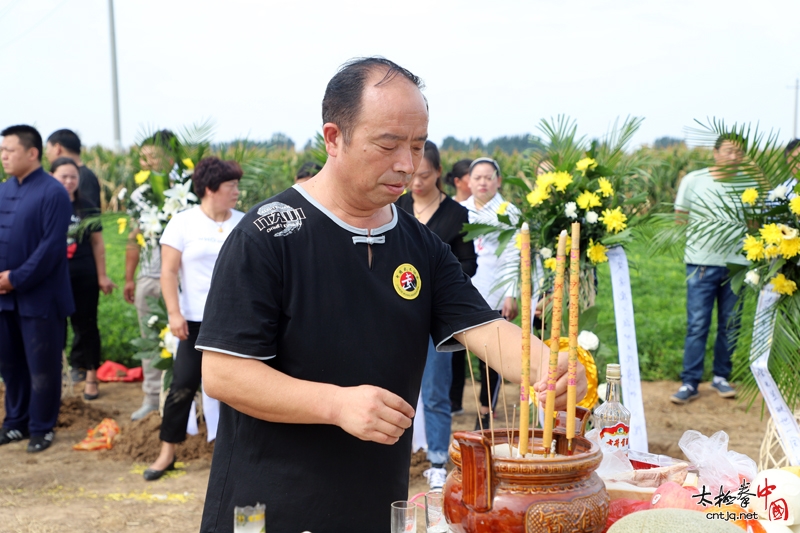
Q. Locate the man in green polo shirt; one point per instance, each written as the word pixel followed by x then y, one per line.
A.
pixel 701 194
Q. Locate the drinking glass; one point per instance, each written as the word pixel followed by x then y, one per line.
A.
pixel 434 512
pixel 404 517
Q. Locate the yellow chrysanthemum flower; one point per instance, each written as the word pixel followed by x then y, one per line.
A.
pixel 614 219
pixel 771 234
pixel 543 181
pixel 587 163
pixel 605 187
pixel 537 196
pixel 588 200
pixel 749 196
pixel 789 248
pixel 771 252
pixel 141 176
pixel 562 181
pixel 794 205
pixel 165 354
pixel 502 209
pixel 518 241
pixel 781 285
pixel 596 252
pixel 550 263
pixel 122 223
pixel 140 240
pixel 163 332
pixel 753 248
pixel 188 163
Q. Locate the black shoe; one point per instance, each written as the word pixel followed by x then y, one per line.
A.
pixel 77 375
pixel 456 410
pixel 484 419
pixel 152 475
pixel 89 397
pixel 40 443
pixel 12 435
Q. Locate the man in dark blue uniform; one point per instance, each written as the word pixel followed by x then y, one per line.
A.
pixel 35 293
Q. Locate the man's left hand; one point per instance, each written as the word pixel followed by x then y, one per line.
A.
pixel 581 386
pixel 5 282
pixel 509 311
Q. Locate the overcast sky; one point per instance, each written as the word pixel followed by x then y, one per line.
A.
pixel 491 68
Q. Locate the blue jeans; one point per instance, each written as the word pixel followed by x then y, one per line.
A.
pixel 436 381
pixel 705 285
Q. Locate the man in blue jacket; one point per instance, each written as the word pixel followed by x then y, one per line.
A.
pixel 35 293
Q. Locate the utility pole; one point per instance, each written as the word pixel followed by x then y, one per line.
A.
pixel 114 85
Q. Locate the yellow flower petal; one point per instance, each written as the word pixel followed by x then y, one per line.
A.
pixel 122 223
pixel 605 187
pixel 163 332
pixel 550 263
pixel 165 354
pixel 140 240
pixel 587 163
pixel 753 248
pixel 141 176
pixel 537 196
pixel 188 163
pixel 502 209
pixel 749 196
pixel 562 181
pixel 596 252
pixel 794 205
pixel 789 248
pixel 614 219
pixel 781 285
pixel 771 234
pixel 588 200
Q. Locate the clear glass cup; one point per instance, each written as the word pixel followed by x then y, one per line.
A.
pixel 434 512
pixel 404 517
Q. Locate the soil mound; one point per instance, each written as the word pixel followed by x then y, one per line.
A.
pixel 139 441
pixel 77 414
pixel 419 464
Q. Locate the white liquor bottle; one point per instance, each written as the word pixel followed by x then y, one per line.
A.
pixel 612 418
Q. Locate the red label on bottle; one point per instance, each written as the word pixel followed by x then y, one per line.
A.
pixel 615 437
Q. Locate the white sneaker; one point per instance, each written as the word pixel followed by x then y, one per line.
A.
pixel 436 477
pixel 143 411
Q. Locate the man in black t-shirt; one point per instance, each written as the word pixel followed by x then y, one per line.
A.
pixel 66 143
pixel 316 325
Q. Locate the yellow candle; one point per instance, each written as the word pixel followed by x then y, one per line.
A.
pixel 524 409
pixel 574 288
pixel 555 336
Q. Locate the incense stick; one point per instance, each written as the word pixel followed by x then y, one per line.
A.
pixel 472 377
pixel 525 356
pixel 503 388
pixel 514 424
pixel 574 293
pixel 555 337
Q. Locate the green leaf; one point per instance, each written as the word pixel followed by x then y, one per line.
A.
pixel 476 230
pixel 504 219
pixel 144 344
pixel 503 238
pixel 163 363
pixel 517 182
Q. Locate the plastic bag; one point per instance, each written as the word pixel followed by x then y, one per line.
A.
pixel 613 464
pixel 99 438
pixel 623 507
pixel 717 466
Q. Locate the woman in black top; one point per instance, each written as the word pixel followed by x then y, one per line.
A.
pixel 86 252
pixel 446 218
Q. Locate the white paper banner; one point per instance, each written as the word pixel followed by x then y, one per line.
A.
pixel 785 422
pixel 419 439
pixel 628 351
pixel 211 415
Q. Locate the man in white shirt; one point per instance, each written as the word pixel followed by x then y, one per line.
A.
pixel 496 278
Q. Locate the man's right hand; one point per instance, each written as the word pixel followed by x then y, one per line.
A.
pixel 129 291
pixel 372 413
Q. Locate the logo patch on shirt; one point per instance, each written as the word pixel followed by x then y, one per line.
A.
pixel 279 216
pixel 406 281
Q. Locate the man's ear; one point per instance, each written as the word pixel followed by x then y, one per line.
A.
pixel 334 140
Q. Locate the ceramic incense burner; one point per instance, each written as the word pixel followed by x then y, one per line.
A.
pixel 486 494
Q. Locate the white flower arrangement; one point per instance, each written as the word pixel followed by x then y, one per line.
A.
pixel 588 340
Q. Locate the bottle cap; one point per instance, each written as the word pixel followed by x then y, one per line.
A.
pixel 612 371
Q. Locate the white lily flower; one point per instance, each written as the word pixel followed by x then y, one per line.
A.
pixel 571 210
pixel 180 191
pixel 546 253
pixel 152 321
pixel 137 196
pixel 591 217
pixel 778 193
pixel 170 342
pixel 122 193
pixel 752 278
pixel 149 223
pixel 588 340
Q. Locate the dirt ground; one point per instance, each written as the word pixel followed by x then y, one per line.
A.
pixel 62 490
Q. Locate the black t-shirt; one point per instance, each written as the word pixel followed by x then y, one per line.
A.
pixel 89 185
pixel 448 223
pixel 79 238
pixel 293 287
